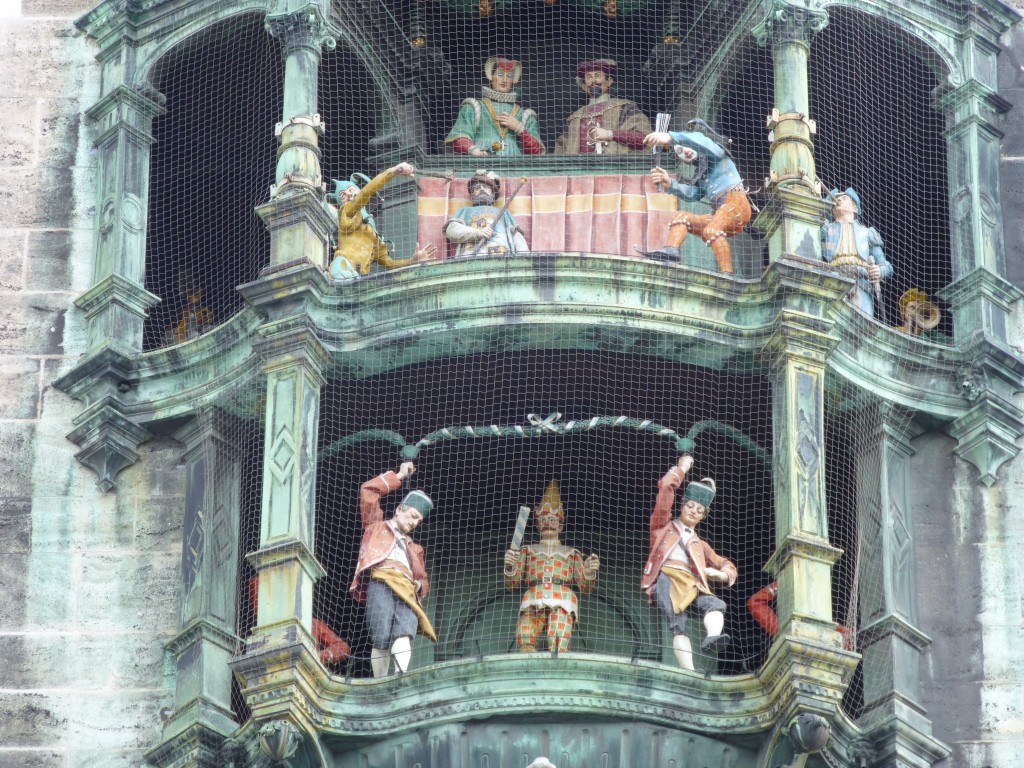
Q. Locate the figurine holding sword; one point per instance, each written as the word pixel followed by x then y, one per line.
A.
pixel 483 228
pixel 549 569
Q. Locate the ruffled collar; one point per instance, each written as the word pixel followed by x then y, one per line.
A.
pixel 507 98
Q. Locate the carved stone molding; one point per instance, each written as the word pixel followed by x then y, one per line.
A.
pixel 109 442
pixel 987 436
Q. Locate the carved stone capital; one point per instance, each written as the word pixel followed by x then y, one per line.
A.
pixel 290 341
pixel 109 442
pixel 300 279
pixel 119 290
pixel 786 23
pixel 987 436
pixel 796 339
pixel 893 625
pixel 201 631
pixel 126 109
pixel 303 28
pixel 210 426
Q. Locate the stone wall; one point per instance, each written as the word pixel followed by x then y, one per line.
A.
pixel 88 581
pixel 968 537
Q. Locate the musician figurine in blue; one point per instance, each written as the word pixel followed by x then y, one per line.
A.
pixel 854 249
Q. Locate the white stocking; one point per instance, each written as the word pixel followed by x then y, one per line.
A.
pixel 401 650
pixel 683 651
pixel 380 660
pixel 714 621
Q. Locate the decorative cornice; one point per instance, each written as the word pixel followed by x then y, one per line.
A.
pixel 201 631
pixel 126 109
pixel 796 339
pixel 209 425
pixel 987 436
pixel 287 284
pixel 199 745
pixel 981 282
pixel 286 551
pixel 804 546
pixel 291 341
pixel 893 625
pixel 116 289
pixel 99 374
pixel 108 440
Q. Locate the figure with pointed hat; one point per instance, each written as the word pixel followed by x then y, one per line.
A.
pixel 359 244
pixel 715 178
pixel 604 125
pixel 484 221
pixel 682 566
pixel 550 570
pixel 391 575
pixel 854 249
pixel 496 124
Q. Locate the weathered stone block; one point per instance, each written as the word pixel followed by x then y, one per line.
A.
pixel 52 531
pixel 1009 64
pixel 1003 652
pixel 44 660
pixel 59 54
pixel 16 446
pixel 19 383
pixel 117 719
pixel 1013 124
pixel 1001 588
pixel 979 754
pixel 60 121
pixel 19 123
pixel 70 9
pixel 13 245
pixel 33 325
pixel 30 197
pixel 119 758
pixel 1002 709
pixel 56 473
pixel 159 472
pixel 20 758
pixel 48 265
pixel 50 591
pixel 136 592
pixel 64 524
pixel 12 592
pixel 1011 176
pixel 158 522
pixel 137 660
pixel 15 526
pixel 29 720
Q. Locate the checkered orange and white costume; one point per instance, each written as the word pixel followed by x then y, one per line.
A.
pixel 549 570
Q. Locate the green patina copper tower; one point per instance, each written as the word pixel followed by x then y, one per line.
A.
pixel 258 692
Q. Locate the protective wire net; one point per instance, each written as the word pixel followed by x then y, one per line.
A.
pixel 405 83
pixel 606 471
pixel 212 163
pixel 880 133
